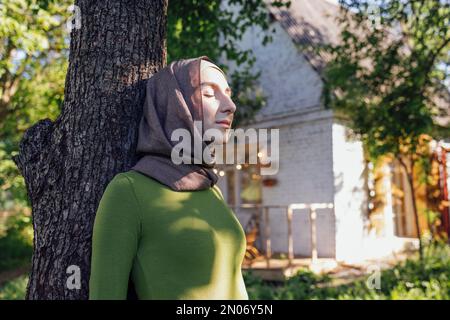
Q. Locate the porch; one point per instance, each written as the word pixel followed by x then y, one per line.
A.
pixel 277 266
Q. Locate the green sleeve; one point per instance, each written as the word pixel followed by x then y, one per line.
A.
pixel 115 240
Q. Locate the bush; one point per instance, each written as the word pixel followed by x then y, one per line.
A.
pixel 15 289
pixel 16 242
pixel 412 279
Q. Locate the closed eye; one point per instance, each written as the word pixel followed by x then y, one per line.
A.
pixel 214 86
pixel 209 94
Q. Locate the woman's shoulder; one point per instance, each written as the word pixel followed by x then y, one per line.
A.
pixel 147 187
pixel 118 187
pixel 129 187
pixel 118 204
pixel 140 181
pixel 130 181
pixel 217 192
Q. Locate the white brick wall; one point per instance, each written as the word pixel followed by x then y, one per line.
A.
pixel 304 176
pixel 298 85
pixel 350 195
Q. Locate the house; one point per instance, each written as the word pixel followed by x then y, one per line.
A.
pixel 320 164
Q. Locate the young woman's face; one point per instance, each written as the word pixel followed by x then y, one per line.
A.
pixel 218 108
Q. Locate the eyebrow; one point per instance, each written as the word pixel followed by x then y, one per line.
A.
pixel 216 85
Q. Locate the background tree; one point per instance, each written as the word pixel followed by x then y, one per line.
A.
pixel 389 76
pixel 68 160
pixel 33 62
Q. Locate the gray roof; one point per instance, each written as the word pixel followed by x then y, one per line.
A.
pixel 310 23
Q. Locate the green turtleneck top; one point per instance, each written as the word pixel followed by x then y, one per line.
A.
pixel 175 245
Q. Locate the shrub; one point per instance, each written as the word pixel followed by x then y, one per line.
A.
pixel 15 289
pixel 16 242
pixel 411 279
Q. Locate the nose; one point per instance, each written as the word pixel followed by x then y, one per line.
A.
pixel 227 105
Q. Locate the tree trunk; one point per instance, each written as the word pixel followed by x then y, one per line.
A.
pixel 410 176
pixel 416 213
pixel 67 164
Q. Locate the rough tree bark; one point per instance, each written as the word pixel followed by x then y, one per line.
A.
pixel 67 164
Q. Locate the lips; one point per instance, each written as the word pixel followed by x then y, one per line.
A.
pixel 224 122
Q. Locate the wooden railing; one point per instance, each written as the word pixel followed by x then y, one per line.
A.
pixel 289 211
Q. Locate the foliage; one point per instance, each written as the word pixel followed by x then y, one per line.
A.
pixel 388 76
pixel 249 97
pixel 15 289
pixel 411 279
pixel 16 242
pixel 32 69
pixel 388 73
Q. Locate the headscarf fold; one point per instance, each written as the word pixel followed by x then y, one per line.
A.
pixel 173 101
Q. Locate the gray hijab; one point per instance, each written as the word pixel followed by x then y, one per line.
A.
pixel 173 101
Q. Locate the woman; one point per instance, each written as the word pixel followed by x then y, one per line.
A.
pixel 167 225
